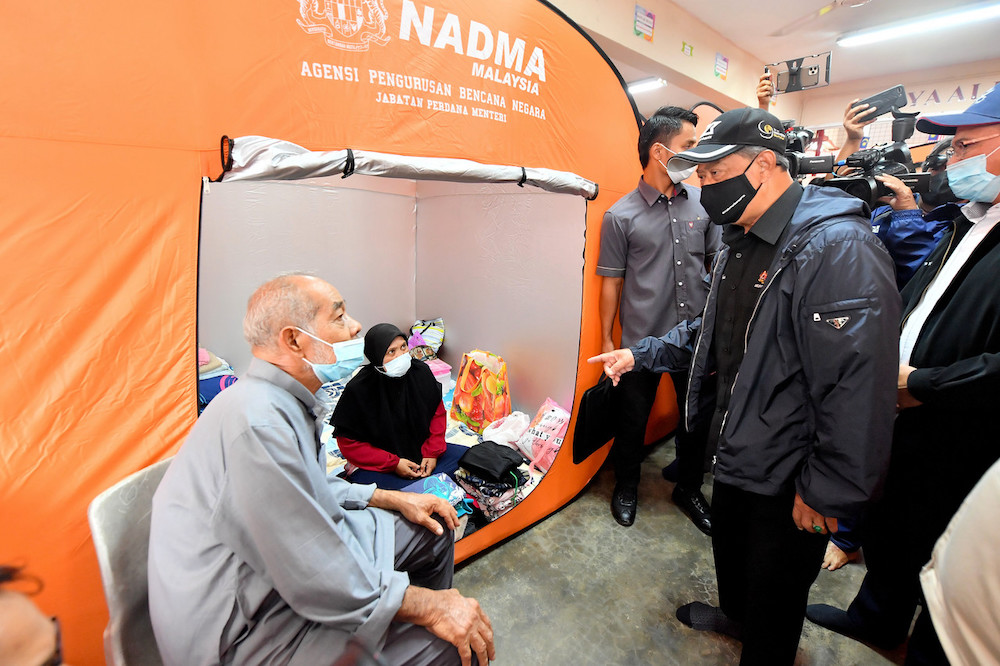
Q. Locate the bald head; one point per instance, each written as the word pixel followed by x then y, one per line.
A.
pixel 293 321
pixel 292 299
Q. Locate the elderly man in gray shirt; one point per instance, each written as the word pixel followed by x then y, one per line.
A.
pixel 256 556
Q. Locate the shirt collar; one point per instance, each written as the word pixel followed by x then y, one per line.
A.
pixel 651 195
pixel 272 374
pixel 774 220
pixel 977 211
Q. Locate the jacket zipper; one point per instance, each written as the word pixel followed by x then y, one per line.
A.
pixel 947 252
pixel 697 346
pixel 746 343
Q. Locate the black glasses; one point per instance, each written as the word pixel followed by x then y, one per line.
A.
pixel 56 657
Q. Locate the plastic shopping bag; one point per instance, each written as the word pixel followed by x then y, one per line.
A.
pixel 439 484
pixel 481 392
pixel 429 332
pixel 545 435
pixel 508 429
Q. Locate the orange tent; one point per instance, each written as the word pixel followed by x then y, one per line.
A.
pixel 112 115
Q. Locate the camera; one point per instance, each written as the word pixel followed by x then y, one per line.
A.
pixel 797 139
pixel 893 159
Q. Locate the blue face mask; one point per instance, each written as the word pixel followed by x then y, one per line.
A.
pixel 970 180
pixel 349 353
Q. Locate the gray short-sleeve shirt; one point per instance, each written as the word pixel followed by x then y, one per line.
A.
pixel 663 248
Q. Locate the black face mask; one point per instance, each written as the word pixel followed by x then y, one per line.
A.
pixel 939 192
pixel 725 201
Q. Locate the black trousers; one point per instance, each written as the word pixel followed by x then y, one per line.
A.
pixel 923 490
pixel 765 566
pixel 924 648
pixel 633 398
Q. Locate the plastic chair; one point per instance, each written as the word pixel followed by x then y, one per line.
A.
pixel 119 522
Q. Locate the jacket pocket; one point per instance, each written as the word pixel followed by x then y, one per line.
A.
pixel 839 315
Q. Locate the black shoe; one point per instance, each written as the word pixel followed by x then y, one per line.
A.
pixel 837 620
pixel 696 507
pixel 670 472
pixel 624 503
pixel 703 617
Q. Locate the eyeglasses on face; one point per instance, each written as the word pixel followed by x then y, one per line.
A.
pixel 960 147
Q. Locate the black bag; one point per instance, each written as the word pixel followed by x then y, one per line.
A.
pixel 491 461
pixel 595 423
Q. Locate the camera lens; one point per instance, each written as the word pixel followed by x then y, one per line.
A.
pixel 862 187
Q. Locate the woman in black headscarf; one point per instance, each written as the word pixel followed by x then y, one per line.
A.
pixel 390 421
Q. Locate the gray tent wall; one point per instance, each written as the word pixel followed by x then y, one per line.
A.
pixel 502 264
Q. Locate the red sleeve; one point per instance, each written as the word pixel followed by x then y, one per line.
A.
pixel 367 456
pixel 435 446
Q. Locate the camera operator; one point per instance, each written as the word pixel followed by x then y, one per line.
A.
pixel 911 225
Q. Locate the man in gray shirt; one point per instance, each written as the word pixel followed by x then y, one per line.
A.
pixel 656 249
pixel 256 556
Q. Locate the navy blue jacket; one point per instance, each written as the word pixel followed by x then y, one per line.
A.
pixel 910 235
pixel 813 403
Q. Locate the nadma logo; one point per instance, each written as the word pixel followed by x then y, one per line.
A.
pixel 349 25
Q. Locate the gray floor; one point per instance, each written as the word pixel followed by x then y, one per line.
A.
pixel 555 594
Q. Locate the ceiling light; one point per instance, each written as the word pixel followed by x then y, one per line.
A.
pixel 645 85
pixel 908 29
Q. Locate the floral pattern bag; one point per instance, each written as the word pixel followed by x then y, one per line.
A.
pixel 481 392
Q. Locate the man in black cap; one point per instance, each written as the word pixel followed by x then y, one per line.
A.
pixel 797 350
pixel 945 436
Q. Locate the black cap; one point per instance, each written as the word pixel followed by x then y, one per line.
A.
pixel 731 131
